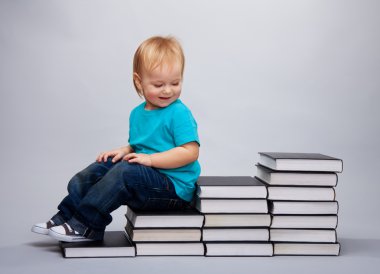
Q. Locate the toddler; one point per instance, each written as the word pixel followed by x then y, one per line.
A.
pixel 157 170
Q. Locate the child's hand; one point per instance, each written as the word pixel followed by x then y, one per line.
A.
pixel 116 154
pixel 139 158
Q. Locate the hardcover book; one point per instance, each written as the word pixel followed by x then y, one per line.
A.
pixel 177 219
pixel 292 178
pixel 231 205
pixel 231 187
pixel 303 208
pixel 170 249
pixel 305 221
pixel 235 234
pixel 240 249
pixel 114 244
pixel 303 235
pixel 299 193
pixel 300 162
pixel 163 234
pixel 237 220
pixel 311 249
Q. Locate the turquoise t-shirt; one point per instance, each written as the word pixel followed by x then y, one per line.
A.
pixel 158 130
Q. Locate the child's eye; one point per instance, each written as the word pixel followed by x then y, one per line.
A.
pixel 175 84
pixel 157 85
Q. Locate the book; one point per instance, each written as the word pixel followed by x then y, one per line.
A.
pixel 170 249
pixel 303 208
pixel 322 249
pixel 291 178
pixel 305 221
pixel 303 235
pixel 300 162
pixel 231 205
pixel 235 234
pixel 300 193
pixel 177 219
pixel 230 187
pixel 163 234
pixel 237 220
pixel 238 249
pixel 114 244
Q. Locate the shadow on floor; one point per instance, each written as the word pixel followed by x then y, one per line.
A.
pixel 360 247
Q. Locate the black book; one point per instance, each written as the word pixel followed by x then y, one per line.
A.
pixel 230 187
pixel 114 244
pixel 305 249
pixel 165 219
pixel 293 178
pixel 300 162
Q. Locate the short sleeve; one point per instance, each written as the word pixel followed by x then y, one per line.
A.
pixel 184 127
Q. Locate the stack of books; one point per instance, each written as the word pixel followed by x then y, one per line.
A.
pixel 302 202
pixel 165 233
pixel 236 216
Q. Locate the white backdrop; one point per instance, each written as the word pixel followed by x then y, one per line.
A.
pixel 292 76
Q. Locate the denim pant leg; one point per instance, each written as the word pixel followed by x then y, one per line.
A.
pixel 78 187
pixel 135 185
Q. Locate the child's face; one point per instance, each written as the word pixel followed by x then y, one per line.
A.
pixel 160 87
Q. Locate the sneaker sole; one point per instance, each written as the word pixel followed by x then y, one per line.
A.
pixel 65 238
pixel 40 230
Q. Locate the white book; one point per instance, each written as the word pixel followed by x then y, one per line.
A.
pixel 303 235
pixel 291 178
pixel 315 249
pixel 239 249
pixel 304 208
pixel 299 193
pixel 232 205
pixel 235 234
pixel 170 249
pixel 302 221
pixel 237 220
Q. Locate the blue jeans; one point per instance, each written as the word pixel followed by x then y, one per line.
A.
pixel 102 187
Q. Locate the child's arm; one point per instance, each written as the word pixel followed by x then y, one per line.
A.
pixel 173 158
pixel 116 154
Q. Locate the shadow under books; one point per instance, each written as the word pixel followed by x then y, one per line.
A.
pixel 49 246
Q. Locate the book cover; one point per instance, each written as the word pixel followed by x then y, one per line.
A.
pixel 114 244
pixel 230 187
pixel 235 234
pixel 300 161
pixel 305 221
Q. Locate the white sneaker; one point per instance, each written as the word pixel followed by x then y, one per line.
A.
pixel 43 228
pixel 65 233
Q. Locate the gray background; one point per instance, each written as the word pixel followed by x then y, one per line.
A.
pixel 294 76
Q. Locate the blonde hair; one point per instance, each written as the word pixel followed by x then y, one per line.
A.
pixel 155 52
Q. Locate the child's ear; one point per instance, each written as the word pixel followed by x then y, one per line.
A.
pixel 137 81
